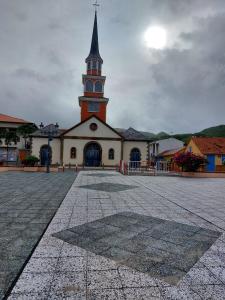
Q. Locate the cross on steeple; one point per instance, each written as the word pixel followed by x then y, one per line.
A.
pixel 96 5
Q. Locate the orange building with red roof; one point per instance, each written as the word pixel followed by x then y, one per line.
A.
pixel 213 148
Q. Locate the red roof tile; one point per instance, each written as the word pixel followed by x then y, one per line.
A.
pixel 210 145
pixel 10 119
pixel 171 152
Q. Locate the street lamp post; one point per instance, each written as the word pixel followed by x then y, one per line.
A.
pixel 49 131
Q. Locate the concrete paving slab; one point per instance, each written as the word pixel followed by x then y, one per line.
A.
pixel 27 204
pixel 95 272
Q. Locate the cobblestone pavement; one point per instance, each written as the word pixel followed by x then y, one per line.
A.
pixel 28 201
pixel 62 270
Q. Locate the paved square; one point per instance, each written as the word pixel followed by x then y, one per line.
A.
pixel 28 201
pixel 161 248
pixel 108 187
pixel 61 270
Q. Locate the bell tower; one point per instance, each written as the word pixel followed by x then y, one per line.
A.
pixel 93 101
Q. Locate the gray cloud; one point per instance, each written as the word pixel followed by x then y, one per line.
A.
pixel 181 88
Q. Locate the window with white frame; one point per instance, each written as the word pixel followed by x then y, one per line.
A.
pixel 93 107
pixel 111 154
pixel 98 87
pixel 73 153
pixel 89 86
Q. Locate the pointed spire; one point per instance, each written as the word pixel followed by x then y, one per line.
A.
pixel 94 51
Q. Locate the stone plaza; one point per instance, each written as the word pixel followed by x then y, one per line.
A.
pixel 28 201
pixel 120 237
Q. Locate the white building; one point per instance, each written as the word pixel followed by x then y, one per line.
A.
pixel 11 151
pixel 157 147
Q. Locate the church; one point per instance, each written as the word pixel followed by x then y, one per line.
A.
pixel 92 142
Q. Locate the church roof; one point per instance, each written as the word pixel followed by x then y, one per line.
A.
pixel 131 134
pixel 50 127
pixel 94 51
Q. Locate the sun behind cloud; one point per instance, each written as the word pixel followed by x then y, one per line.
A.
pixel 155 37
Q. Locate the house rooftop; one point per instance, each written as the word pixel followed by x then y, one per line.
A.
pixel 9 119
pixel 171 152
pixel 210 145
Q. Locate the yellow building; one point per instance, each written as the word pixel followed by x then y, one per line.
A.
pixel 213 148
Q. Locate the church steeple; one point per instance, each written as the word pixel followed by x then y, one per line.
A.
pixel 94 51
pixel 93 101
pixel 94 61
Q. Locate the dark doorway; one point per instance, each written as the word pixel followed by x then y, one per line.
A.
pixel 45 154
pixel 92 155
pixel 135 158
pixel 135 154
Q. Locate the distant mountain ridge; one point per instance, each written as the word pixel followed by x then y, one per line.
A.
pixel 215 131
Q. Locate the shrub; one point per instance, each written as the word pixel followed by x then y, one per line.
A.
pixel 30 161
pixel 189 162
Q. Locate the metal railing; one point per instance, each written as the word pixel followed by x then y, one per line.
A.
pixel 139 167
pixel 162 167
pixel 145 168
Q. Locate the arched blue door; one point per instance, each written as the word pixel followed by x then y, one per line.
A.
pixel 45 154
pixel 92 155
pixel 135 154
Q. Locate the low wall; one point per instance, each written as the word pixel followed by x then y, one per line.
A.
pixel 27 169
pixel 203 174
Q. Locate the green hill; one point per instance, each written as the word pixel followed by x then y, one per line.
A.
pixel 216 131
pixel 162 135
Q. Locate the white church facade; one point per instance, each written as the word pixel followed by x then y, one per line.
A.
pixel 92 142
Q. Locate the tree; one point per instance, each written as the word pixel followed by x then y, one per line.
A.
pixel 25 131
pixel 189 162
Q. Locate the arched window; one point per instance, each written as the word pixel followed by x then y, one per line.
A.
pixel 98 87
pixel 111 154
pixel 89 86
pixel 73 153
pixel 94 64
pixel 89 65
pixel 135 154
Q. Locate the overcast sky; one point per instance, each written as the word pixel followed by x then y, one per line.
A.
pixel 180 88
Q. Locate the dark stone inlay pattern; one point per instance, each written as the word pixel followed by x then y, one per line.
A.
pixel 28 201
pixel 108 187
pixel 163 249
